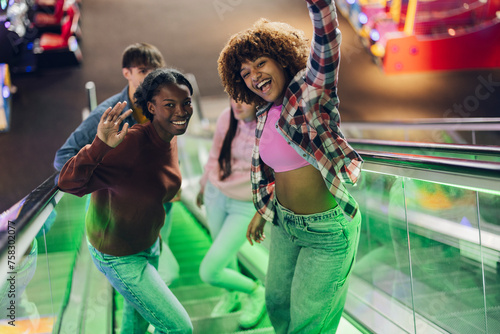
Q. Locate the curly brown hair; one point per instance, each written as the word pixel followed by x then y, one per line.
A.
pixel 280 41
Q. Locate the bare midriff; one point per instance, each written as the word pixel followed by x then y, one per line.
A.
pixel 303 191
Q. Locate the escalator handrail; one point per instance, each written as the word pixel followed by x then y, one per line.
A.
pixel 439 147
pixel 475 167
pixel 21 217
pixel 451 120
pixel 460 166
pixel 474 174
pixel 471 124
pixel 485 171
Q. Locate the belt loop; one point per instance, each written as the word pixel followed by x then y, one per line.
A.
pixel 300 221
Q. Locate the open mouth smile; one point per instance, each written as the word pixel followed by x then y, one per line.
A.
pixel 264 85
pixel 180 123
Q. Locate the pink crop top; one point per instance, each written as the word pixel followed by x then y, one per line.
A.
pixel 274 149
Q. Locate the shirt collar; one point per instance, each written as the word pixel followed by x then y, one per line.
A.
pixel 263 109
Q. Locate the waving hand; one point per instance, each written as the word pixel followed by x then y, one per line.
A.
pixel 108 129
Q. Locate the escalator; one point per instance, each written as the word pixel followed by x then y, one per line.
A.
pixel 429 254
pixel 428 259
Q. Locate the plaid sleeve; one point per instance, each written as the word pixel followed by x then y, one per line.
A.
pixel 263 190
pixel 323 62
pixel 262 178
pixel 311 119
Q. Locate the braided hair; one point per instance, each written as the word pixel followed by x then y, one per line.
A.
pixel 152 84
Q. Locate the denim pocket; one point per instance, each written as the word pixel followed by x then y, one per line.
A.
pixel 326 227
pixel 329 232
pixel 351 228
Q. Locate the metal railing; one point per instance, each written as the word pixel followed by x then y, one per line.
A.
pixel 434 148
pixel 20 224
pixel 453 128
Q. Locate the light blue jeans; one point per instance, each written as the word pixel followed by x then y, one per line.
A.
pixel 147 299
pixel 168 267
pixel 310 259
pixel 228 221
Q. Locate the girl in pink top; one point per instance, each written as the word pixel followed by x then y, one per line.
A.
pixel 227 195
pixel 315 220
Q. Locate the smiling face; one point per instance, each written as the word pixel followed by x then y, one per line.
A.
pixel 172 109
pixel 266 78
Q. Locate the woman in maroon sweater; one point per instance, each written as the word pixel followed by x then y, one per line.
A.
pixel 130 174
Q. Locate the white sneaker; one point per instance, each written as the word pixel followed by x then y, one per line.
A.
pixel 229 302
pixel 254 308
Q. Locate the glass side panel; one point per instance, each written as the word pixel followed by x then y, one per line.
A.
pixel 429 254
pixel 44 273
pixel 489 224
pixel 383 255
pixel 428 257
pixel 19 310
pixel 445 256
pixel 193 154
pixel 63 239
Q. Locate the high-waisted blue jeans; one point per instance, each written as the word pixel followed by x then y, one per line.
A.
pixel 147 299
pixel 310 259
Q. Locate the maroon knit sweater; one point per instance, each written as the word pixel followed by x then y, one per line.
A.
pixel 129 185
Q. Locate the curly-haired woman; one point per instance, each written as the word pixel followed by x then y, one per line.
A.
pixel 130 174
pixel 300 163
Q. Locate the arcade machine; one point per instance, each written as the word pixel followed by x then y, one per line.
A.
pixel 5 98
pixel 54 49
pixel 35 34
pixel 16 37
pixel 428 35
pixel 359 12
pixel 6 55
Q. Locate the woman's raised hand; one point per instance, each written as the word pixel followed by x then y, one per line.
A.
pixel 108 129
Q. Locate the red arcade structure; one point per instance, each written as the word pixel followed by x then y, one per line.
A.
pixel 428 35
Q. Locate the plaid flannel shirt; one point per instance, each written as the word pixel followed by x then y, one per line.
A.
pixel 310 119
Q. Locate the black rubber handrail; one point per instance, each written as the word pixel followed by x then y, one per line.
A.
pixel 469 120
pixel 455 123
pixel 438 147
pixel 23 214
pixel 457 166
